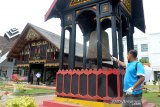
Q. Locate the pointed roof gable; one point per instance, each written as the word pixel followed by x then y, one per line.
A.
pixel 54 39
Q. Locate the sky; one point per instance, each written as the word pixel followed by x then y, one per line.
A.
pixel 17 13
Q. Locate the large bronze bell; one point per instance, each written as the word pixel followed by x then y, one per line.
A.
pixel 92 49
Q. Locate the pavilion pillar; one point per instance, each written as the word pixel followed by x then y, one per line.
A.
pixel 61 53
pixel 130 42
pixel 72 43
pixel 114 39
pixel 84 51
pixel 120 41
pixel 131 28
pixel 99 39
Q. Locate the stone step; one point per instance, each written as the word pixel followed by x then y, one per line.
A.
pixel 57 104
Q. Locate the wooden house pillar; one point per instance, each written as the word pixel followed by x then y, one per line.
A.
pixel 44 75
pixel 99 38
pixel 72 43
pixel 61 53
pixel 29 73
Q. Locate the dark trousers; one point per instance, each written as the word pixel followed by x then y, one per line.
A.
pixel 132 100
pixel 38 79
pixel 31 80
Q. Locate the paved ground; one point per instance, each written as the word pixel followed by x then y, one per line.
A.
pixel 39 99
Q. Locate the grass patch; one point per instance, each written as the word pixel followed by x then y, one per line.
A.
pixel 151 86
pixel 7 89
pixel 35 91
pixel 1 83
pixel 152 97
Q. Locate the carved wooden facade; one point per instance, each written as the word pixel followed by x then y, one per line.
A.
pixel 37 51
pixel 37 48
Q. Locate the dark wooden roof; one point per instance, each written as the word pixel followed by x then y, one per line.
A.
pixel 47 35
pixel 6 44
pixel 138 14
pixel 58 6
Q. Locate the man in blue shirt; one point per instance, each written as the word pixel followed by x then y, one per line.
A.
pixel 133 79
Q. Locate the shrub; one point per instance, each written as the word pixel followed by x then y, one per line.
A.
pixel 20 87
pixel 15 77
pixel 154 82
pixel 144 60
pixel 22 101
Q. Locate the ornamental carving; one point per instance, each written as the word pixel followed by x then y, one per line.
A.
pixel 77 2
pixel 105 8
pixel 32 35
pixel 127 5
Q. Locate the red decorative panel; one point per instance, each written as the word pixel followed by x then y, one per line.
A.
pixel 100 84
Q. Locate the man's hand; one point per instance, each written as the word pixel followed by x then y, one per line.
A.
pixel 129 91
pixel 114 59
pixel 118 61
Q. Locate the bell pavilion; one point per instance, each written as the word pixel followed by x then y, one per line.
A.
pixel 93 17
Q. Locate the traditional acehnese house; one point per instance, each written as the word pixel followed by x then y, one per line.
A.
pixel 6 43
pixel 37 50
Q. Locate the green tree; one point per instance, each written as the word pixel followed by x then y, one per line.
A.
pixel 144 60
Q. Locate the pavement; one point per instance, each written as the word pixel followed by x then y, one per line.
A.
pixel 39 99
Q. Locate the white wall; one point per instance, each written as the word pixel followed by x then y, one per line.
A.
pixel 154 47
pixel 138 41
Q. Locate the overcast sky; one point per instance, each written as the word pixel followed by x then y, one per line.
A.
pixel 16 13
